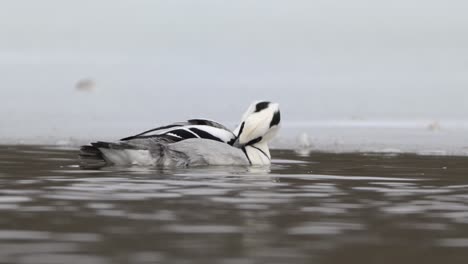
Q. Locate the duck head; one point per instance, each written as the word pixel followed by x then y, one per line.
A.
pixel 259 124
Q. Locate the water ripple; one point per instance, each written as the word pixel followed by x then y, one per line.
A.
pixel 314 208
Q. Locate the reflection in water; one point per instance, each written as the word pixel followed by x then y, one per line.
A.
pixel 321 208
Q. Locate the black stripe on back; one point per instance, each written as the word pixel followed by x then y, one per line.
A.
pixel 200 122
pixel 142 135
pixel 205 122
pixel 184 134
pixel 204 134
pixel 260 106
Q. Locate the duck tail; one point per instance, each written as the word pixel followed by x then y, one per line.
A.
pixel 100 154
pixel 91 157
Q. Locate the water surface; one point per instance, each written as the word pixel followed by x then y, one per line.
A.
pixel 315 208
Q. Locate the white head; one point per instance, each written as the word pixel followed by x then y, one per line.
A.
pixel 259 124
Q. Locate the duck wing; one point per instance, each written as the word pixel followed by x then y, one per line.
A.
pixel 193 128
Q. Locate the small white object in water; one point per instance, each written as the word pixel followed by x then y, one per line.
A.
pixel 303 140
pixel 64 142
pixel 303 144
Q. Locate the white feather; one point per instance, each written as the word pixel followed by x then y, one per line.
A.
pixel 124 157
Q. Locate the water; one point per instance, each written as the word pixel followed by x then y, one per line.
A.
pixel 316 208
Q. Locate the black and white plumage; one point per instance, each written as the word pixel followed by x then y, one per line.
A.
pixel 193 128
pixel 193 143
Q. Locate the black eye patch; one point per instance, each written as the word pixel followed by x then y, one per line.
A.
pixel 276 119
pixel 204 134
pixel 260 106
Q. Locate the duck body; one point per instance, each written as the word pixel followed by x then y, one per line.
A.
pixel 196 142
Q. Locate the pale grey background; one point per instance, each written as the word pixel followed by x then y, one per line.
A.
pixel 160 61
